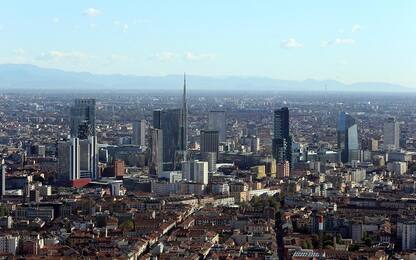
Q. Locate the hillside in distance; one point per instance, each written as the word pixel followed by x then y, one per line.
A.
pixel 25 76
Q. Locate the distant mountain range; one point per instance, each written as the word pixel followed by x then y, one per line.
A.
pixel 23 76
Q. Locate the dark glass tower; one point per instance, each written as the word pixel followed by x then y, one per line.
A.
pixel 174 125
pixel 184 121
pixel 347 137
pixel 3 171
pixel 157 150
pixel 209 141
pixel 282 141
pixel 170 122
pixel 83 118
pixel 83 134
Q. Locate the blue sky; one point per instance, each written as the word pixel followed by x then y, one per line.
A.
pixel 349 41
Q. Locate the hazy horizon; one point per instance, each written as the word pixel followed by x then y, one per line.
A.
pixel 27 76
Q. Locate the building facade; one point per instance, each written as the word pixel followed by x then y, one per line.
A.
pixel 282 141
pixel 391 133
pixel 347 138
pixel 216 121
pixel 139 133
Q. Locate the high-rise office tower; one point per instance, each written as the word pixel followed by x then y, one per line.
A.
pixel 64 160
pixel 83 118
pixel 157 150
pixel 184 121
pixel 74 167
pixel 282 141
pixel 88 157
pixel 139 133
pixel 211 158
pixel 408 235
pixel 174 125
pixel 76 159
pixel 209 141
pixel 172 143
pixel 3 179
pixel 216 121
pixel 391 134
pixel 157 117
pixel 83 128
pixel 347 135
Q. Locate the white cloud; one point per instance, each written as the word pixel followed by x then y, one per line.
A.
pixel 1 27
pixel 342 62
pixel 166 56
pixel 64 56
pixel 91 12
pixel 56 20
pixel 190 56
pixel 325 44
pixel 141 21
pixel 19 52
pixel 340 41
pixel 356 28
pixel 118 57
pixel 291 43
pixel 122 26
pixel 115 58
pixel 20 56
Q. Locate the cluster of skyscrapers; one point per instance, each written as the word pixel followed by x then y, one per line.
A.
pixel 78 155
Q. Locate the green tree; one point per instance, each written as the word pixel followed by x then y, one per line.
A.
pixel 3 210
pixel 353 247
pixel 127 225
pixel 368 241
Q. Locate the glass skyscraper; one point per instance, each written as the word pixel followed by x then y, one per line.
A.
pixel 216 121
pixel 170 121
pixel 282 141
pixel 83 118
pixel 84 140
pixel 347 137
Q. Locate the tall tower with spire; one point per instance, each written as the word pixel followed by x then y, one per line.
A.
pixel 184 122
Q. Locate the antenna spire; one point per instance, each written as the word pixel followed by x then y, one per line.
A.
pixel 184 87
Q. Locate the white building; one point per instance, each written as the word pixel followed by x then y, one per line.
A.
pixel 391 134
pixel 88 158
pixel 398 168
pixel 195 171
pixel 8 244
pixel 171 176
pixel 116 188
pixel 358 175
pixel 74 165
pixel 139 133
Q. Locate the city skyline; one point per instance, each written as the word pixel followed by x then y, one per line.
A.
pixel 349 42
pixel 207 130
